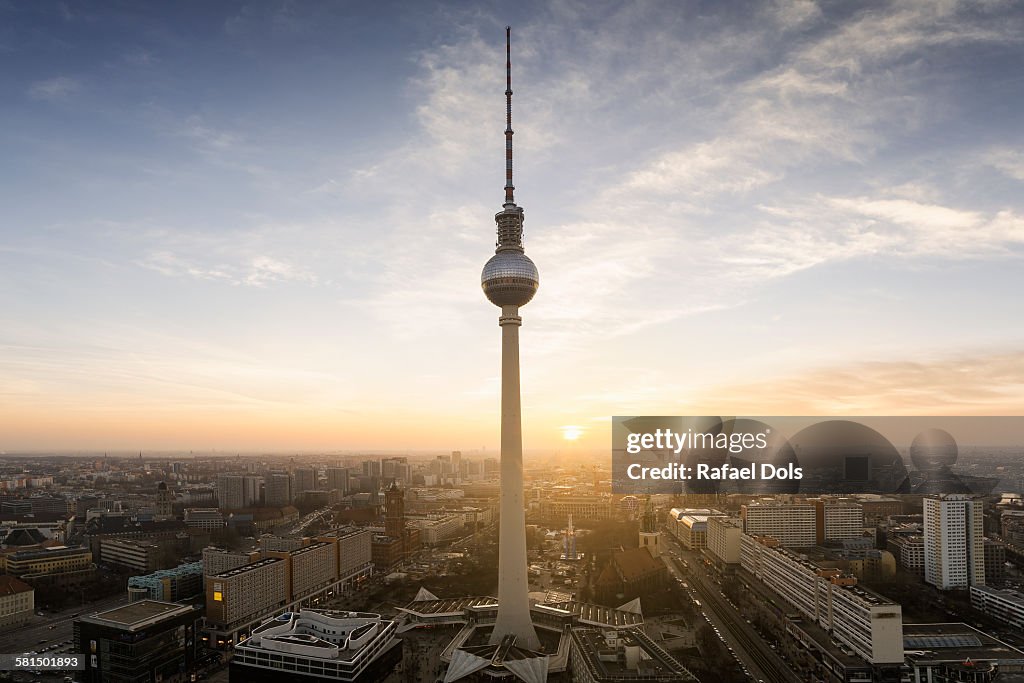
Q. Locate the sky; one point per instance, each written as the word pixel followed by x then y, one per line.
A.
pixel 260 225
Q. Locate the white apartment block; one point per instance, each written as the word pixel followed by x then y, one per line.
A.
pixel 792 525
pixel 217 560
pixel 437 530
pixel 724 538
pixel 1006 605
pixel 909 549
pixel 870 625
pixel 954 550
pixel 842 520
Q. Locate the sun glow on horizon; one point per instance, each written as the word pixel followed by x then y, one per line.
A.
pixel 571 432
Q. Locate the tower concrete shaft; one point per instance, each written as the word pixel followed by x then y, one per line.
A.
pixel 513 599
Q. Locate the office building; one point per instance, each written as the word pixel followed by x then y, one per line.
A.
pixel 954 551
pixel 135 554
pixel 318 645
pixel 55 559
pixel 995 562
pixel 906 543
pixel 168 585
pixel 210 519
pixel 142 641
pixel 691 528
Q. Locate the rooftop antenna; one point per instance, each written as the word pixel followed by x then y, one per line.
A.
pixel 509 187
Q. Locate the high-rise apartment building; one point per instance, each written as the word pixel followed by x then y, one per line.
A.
pixel 337 479
pixel 306 479
pixel 792 525
pixel 277 489
pixel 837 520
pixel 237 491
pixel 954 550
pixel 724 539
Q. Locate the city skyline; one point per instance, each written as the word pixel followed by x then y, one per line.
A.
pixel 215 220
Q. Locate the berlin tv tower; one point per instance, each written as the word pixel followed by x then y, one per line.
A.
pixel 510 280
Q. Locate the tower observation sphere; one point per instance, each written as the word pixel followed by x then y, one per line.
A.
pixel 510 279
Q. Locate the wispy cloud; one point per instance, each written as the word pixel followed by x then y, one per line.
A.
pixel 254 271
pixel 980 383
pixel 54 89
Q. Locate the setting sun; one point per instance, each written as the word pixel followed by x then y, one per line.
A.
pixel 571 432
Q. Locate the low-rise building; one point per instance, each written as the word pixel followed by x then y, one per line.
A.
pixel 322 645
pixel 558 508
pixel 168 585
pixel 958 652
pixel 908 549
pixel 55 559
pixel 620 656
pixel 435 530
pixel 17 602
pixel 134 554
pixel 204 518
pixel 1006 605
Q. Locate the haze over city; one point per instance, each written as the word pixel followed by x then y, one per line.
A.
pixel 246 226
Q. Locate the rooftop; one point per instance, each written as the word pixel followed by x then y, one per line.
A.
pixel 12 586
pixel 955 642
pixel 138 615
pixel 607 654
pixel 247 568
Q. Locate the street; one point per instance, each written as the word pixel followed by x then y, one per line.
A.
pixel 763 663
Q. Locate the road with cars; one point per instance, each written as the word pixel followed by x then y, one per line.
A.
pixel 51 632
pixel 759 661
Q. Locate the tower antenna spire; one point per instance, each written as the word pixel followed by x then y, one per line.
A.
pixel 509 187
